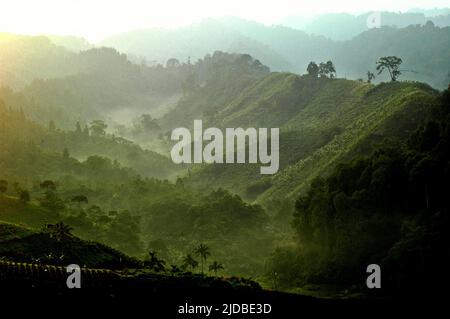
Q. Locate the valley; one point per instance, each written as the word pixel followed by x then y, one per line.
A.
pixel 226 161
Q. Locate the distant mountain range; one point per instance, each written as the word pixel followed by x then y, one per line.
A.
pixel 425 49
pixel 344 26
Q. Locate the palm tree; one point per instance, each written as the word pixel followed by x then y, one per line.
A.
pixel 203 252
pixel 155 263
pixel 215 267
pixel 174 269
pixel 190 262
pixel 60 230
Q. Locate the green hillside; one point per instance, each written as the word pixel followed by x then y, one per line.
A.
pixel 109 203
pixel 75 184
pixel 390 206
pixel 322 121
pixel 32 245
pixel 46 148
pixel 385 111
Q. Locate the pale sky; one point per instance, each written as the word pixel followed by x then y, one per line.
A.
pixel 96 19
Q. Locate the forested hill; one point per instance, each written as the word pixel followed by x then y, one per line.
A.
pixel 50 83
pixel 75 173
pixel 323 122
pixel 345 26
pixel 111 196
pixel 390 207
pixel 31 151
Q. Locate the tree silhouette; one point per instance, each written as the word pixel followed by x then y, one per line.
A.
pixel 326 69
pixel 174 269
pixel 203 252
pixel 331 69
pixel 59 231
pixel 313 69
pixel 155 263
pixel 98 128
pixel 215 267
pixel 390 63
pixel 189 262
pixel 172 63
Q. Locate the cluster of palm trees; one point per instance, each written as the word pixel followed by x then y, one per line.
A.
pixel 203 252
pixel 61 231
pixel 155 263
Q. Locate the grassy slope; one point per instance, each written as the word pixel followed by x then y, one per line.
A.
pixel 322 122
pixel 388 110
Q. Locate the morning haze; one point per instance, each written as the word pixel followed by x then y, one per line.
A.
pixel 292 153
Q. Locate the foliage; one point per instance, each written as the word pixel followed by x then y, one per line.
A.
pixel 390 63
pixel 313 69
pixel 390 208
pixel 216 267
pixel 203 252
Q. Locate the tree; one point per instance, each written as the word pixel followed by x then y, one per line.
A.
pixel 189 262
pixel 154 263
pixel 326 69
pixel 203 252
pixel 98 128
pixel 174 269
pixel 390 63
pixel 429 24
pixel 3 186
pixel 59 231
pixel 78 128
pixel 215 267
pixel 313 69
pixel 172 63
pixel 370 77
pixel 331 69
